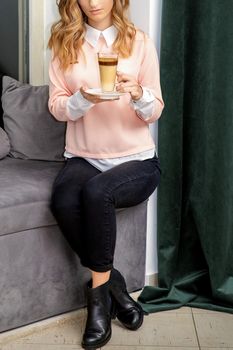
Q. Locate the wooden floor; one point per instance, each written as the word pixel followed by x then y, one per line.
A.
pixel 185 329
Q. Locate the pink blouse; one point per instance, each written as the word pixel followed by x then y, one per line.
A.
pixel 110 129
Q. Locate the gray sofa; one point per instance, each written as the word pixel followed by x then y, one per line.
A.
pixel 40 276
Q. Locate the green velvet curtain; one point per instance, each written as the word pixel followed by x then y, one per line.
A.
pixel 195 196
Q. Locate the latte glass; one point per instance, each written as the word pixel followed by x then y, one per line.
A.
pixel 108 68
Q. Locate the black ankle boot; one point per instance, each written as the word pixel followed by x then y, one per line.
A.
pixel 99 313
pixel 128 311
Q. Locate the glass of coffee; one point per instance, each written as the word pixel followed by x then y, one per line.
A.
pixel 108 68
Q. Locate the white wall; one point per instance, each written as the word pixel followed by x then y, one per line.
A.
pixel 51 16
pixel 36 42
pixel 147 16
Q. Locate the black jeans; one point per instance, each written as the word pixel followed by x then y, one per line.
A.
pixel 84 201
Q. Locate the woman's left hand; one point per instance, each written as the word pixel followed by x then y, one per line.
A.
pixel 127 83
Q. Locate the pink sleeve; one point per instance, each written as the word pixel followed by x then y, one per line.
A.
pixel 149 77
pixel 58 92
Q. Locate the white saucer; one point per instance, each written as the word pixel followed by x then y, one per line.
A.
pixel 105 95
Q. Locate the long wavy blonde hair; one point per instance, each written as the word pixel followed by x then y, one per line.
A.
pixel 67 35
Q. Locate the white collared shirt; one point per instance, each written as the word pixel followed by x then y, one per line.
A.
pixel 92 35
pixel 78 105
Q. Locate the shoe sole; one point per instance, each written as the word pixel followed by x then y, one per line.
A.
pixel 97 346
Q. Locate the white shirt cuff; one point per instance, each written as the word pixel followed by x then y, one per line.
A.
pixel 78 106
pixel 145 105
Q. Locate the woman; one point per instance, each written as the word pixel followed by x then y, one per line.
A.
pixel 111 158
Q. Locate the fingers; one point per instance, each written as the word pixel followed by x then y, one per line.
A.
pixel 134 89
pixel 127 83
pixel 89 97
pixel 82 90
pixel 127 87
pixel 122 77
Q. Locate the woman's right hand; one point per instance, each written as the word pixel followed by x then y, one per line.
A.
pixel 94 98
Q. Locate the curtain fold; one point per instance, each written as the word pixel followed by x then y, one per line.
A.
pixel 195 196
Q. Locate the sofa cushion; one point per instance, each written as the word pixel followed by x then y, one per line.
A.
pixel 25 190
pixel 33 132
pixel 4 144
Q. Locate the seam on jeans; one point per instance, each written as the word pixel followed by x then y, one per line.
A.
pixel 130 180
pixel 106 223
pixel 108 194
